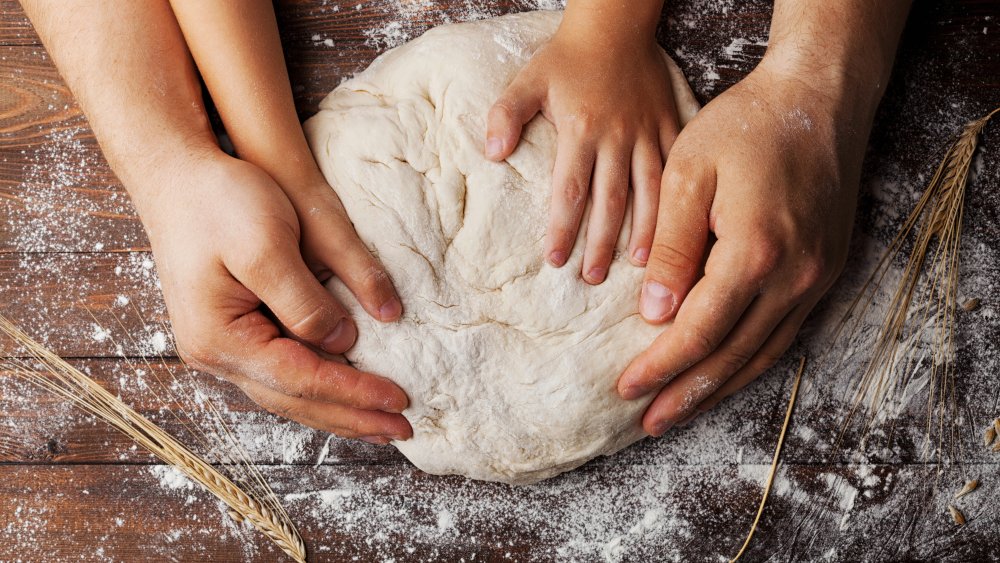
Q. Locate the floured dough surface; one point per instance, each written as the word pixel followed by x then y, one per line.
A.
pixel 510 364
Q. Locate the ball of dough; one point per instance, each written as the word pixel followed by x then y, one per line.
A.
pixel 510 364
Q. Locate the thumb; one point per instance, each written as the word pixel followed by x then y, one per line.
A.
pixel 280 278
pixel 679 243
pixel 515 107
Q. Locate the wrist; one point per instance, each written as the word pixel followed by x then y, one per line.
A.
pixel 616 21
pixel 842 50
pixel 159 180
pixel 843 85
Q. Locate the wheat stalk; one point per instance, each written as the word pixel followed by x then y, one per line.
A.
pixel 924 300
pixel 774 462
pixel 56 375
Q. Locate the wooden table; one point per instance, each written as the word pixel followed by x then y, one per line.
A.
pixel 71 488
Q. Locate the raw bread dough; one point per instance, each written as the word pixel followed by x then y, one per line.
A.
pixel 510 365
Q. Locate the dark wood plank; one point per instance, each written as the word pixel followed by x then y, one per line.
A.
pixel 57 193
pixel 15 29
pixel 73 303
pixel 653 512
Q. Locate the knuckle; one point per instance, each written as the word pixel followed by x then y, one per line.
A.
pixel 503 109
pixel 258 262
pixel 582 124
pixel 311 321
pixel 665 258
pixel 681 178
pixel 763 259
pixel 334 212
pixel 311 387
pixel 817 270
pixel 696 344
pixel 811 274
pixel 764 361
pixel 353 424
pixel 735 359
pixel 618 130
pixel 373 280
pixel 573 193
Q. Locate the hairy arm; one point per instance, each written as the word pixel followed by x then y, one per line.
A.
pixel 844 48
pixel 128 68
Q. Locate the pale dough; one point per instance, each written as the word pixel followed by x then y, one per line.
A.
pixel 510 365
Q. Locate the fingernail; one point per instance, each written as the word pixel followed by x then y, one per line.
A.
pixel 390 310
pixel 377 440
pixel 631 392
pixel 392 406
pixel 493 147
pixel 597 274
pixel 661 428
pixel 557 258
pixel 341 338
pixel 641 255
pixel 656 301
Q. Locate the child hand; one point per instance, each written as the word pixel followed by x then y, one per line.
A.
pixel 608 95
pixel 227 244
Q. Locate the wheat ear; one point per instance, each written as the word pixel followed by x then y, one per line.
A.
pixel 924 299
pixel 56 375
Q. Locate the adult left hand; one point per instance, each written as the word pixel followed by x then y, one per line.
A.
pixel 770 169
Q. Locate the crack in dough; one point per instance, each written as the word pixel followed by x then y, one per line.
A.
pixel 510 364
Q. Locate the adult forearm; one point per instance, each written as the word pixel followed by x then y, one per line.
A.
pixel 238 50
pixel 843 48
pixel 129 70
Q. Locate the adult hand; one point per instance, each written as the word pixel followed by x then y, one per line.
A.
pixel 769 170
pixel 227 243
pixel 603 82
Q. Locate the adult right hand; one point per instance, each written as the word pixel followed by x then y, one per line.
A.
pixel 226 241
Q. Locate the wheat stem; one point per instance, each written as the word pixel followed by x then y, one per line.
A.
pixel 61 378
pixel 774 462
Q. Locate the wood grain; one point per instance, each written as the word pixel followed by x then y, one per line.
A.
pixel 68 301
pixel 15 29
pixel 38 427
